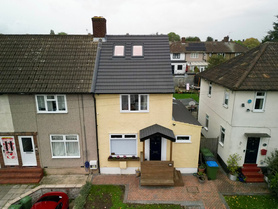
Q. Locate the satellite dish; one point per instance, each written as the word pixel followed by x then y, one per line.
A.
pixel 192 103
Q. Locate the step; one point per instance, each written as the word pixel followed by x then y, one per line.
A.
pixel 178 179
pixel 156 182
pixel 254 180
pixel 20 175
pixel 20 181
pixel 21 170
pixel 250 165
pixel 252 174
pixel 250 169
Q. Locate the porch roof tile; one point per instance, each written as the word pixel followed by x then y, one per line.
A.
pixel 156 129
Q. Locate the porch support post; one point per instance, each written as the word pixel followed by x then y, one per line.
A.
pixel 143 151
pixel 171 145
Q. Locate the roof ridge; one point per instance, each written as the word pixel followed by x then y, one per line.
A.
pixel 250 67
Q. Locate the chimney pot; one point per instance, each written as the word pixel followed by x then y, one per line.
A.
pixel 99 27
pixel 183 39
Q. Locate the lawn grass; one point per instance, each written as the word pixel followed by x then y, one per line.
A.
pixel 111 196
pixel 252 201
pixel 187 95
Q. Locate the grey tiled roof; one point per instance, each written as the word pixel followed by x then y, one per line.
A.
pixel 148 74
pixel 156 129
pixel 255 70
pixel 46 63
pixel 181 114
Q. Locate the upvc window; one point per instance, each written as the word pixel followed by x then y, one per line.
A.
pixel 119 50
pixel 226 98
pixel 51 103
pixel 176 56
pixel 137 50
pixel 123 144
pixel 259 101
pixel 134 103
pixel 222 135
pixel 179 67
pixel 65 146
pixel 194 55
pixel 183 139
pixel 221 54
pixel 207 122
pixel 210 88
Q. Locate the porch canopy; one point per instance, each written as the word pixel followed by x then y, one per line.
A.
pixel 155 130
pixel 257 135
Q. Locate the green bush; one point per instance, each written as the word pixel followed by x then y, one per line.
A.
pixel 272 162
pixel 80 201
pixel 232 163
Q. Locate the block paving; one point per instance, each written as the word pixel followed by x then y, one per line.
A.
pixel 192 195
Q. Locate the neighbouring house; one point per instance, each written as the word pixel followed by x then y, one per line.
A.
pixel 190 57
pixel 238 105
pixel 133 87
pixel 47 110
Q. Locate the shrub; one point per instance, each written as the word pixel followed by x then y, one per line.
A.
pixel 272 162
pixel 80 201
pixel 232 163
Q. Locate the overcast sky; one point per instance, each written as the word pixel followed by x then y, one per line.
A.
pixel 240 19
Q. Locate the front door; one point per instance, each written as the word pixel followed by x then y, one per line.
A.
pixel 8 149
pixel 252 150
pixel 155 148
pixel 27 151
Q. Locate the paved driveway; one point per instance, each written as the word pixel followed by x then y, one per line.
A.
pixel 193 194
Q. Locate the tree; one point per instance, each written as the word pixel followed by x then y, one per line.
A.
pixel 52 32
pixel 173 36
pixel 209 38
pixel 190 38
pixel 251 43
pixel 239 42
pixel 272 34
pixel 215 60
pixel 62 33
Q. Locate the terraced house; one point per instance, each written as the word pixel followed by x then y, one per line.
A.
pixel 47 111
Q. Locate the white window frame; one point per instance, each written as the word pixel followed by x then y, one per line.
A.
pixel 135 50
pixel 178 67
pixel 259 97
pixel 226 98
pixel 176 55
pixel 55 100
pixel 64 141
pixel 222 135
pixel 194 55
pixel 221 54
pixel 122 48
pixel 209 89
pixel 183 140
pixel 139 103
pixel 237 54
pixel 207 122
pixel 123 137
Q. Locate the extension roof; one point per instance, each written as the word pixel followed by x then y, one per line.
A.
pixel 256 70
pixel 150 73
pixel 46 63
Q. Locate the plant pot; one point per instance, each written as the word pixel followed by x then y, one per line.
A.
pixel 201 170
pixel 232 177
pixel 201 179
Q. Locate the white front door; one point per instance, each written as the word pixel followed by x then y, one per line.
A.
pixel 8 149
pixel 27 150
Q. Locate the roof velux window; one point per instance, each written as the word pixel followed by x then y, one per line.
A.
pixel 119 50
pixel 137 50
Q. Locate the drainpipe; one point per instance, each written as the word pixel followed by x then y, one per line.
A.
pixel 96 127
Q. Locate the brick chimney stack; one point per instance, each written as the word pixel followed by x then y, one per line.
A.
pixel 226 39
pixel 183 40
pixel 99 27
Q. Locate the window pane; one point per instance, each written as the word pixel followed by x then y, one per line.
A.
pixel 119 50
pixel 260 93
pixel 137 50
pixel 72 149
pixel 50 97
pixel 183 138
pixel 130 136
pixel 116 136
pixel 57 137
pixel 259 104
pixel 27 144
pixel 71 138
pixel 134 102
pixel 41 104
pixel 179 67
pixel 124 102
pixel 123 146
pixel 144 102
pixel 51 106
pixel 58 149
pixel 61 103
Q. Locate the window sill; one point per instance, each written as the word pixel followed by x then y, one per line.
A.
pixel 206 128
pixel 221 144
pixel 225 106
pixel 123 159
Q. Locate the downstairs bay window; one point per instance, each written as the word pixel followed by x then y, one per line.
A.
pixel 123 145
pixel 65 146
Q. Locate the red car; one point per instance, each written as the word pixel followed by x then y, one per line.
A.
pixel 52 200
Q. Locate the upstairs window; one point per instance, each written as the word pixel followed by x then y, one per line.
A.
pixel 176 56
pixel 226 98
pixel 137 51
pixel 259 101
pixel 209 90
pixel 135 103
pixel 119 50
pixel 51 103
pixel 194 55
pixel 222 135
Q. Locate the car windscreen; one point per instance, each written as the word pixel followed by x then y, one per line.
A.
pixel 53 198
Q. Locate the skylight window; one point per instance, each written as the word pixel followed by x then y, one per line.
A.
pixel 119 50
pixel 137 50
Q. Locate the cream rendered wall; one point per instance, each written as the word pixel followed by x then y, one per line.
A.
pixel 112 121
pixel 189 59
pixel 27 119
pixel 6 122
